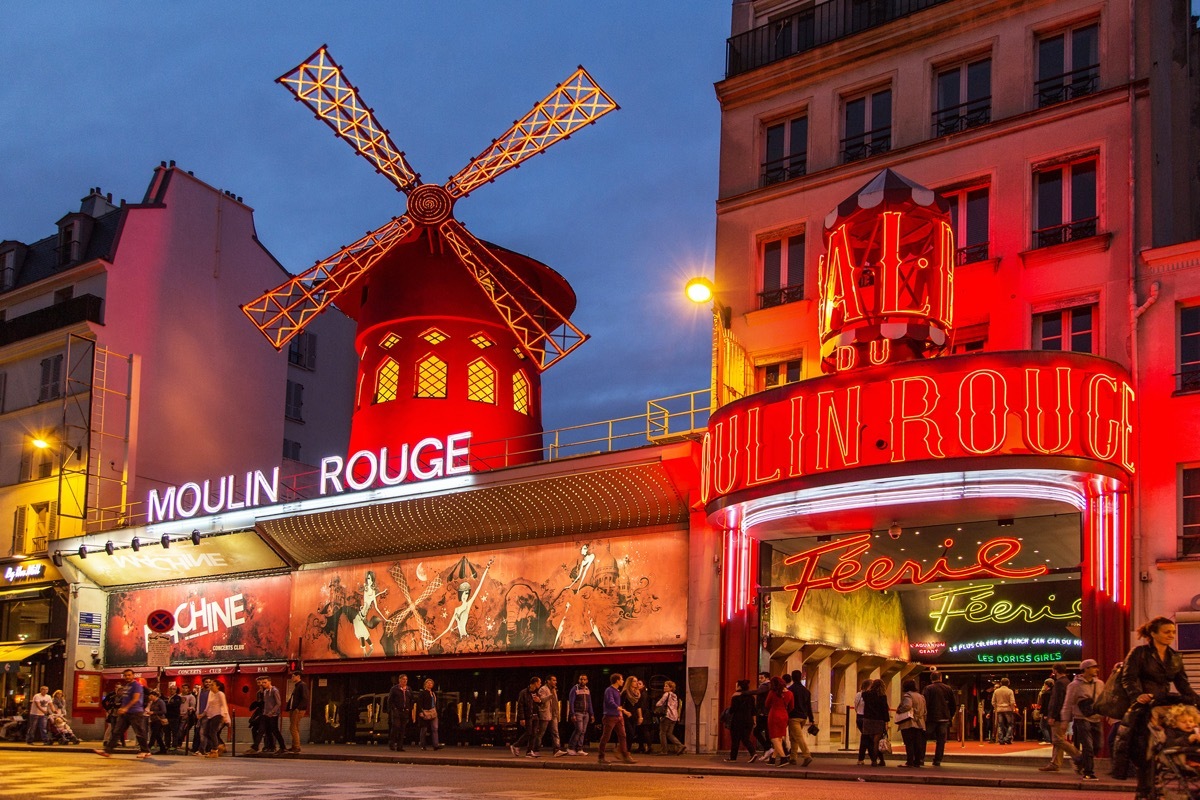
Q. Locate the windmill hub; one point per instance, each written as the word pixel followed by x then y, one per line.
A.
pixel 430 204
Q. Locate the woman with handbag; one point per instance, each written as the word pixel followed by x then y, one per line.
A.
pixel 667 712
pixel 910 719
pixel 875 722
pixel 427 715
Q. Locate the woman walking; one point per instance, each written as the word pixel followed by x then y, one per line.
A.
pixel 427 715
pixel 875 720
pixel 741 721
pixel 668 719
pixel 1150 671
pixel 910 719
pixel 631 701
pixel 778 703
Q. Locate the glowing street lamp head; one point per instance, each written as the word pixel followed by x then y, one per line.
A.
pixel 40 443
pixel 699 290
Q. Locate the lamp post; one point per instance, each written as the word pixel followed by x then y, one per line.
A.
pixel 727 384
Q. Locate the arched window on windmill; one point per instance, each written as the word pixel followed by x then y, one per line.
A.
pixel 431 377
pixel 520 393
pixel 481 382
pixel 387 381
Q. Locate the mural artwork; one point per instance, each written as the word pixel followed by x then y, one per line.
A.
pixel 591 593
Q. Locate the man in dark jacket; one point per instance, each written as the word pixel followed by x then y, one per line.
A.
pixel 297 707
pixel 400 711
pixel 1058 728
pixel 799 718
pixel 940 704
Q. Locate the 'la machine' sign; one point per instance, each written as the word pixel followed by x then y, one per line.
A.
pixel 428 459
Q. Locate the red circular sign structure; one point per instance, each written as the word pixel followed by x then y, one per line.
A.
pixel 160 621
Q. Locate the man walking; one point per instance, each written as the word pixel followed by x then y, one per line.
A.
pixel 1077 709
pixel 550 710
pixel 131 713
pixel 174 703
pixel 257 726
pixel 297 707
pixel 529 705
pixel 1004 704
pixel 940 704
pixel 272 713
pixel 400 711
pixel 614 719
pixel 799 718
pixel 579 700
pixel 40 706
pixel 1058 727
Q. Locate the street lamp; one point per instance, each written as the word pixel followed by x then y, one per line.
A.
pixel 701 290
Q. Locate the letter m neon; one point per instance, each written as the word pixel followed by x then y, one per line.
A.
pixel 163 510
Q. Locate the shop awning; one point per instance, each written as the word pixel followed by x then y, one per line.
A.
pixel 13 654
pixel 201 670
pixel 23 594
pixel 555 658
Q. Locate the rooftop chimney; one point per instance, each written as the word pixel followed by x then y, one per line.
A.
pixel 96 204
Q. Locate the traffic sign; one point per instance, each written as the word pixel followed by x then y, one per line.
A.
pixel 160 621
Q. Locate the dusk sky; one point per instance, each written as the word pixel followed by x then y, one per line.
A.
pixel 97 94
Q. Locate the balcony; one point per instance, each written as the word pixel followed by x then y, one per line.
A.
pixel 811 28
pixel 865 145
pixel 966 115
pixel 1067 232
pixel 85 308
pixel 777 297
pixel 971 253
pixel 1068 86
pixel 784 169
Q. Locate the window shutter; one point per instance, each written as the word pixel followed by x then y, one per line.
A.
pixel 18 537
pixel 52 520
pixel 26 465
pixel 311 360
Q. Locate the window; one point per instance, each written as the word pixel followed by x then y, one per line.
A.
pixel 964 97
pixel 1068 65
pixel 36 462
pixel 1189 349
pixel 45 524
pixel 868 126
pixel 968 346
pixel 782 373
pixel 434 336
pixel 387 382
pixel 291 449
pixel 782 271
pixel 293 406
pixel 1064 198
pixel 431 377
pixel 302 351
pixel 1067 329
pixel 481 341
pixel 481 382
pixel 22 620
pixel 389 341
pixel 520 393
pixel 51 385
pixel 66 244
pixel 1189 534
pixel 786 151
pixel 969 219
pixel 8 270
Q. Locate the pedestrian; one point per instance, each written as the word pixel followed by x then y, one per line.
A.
pixel 742 708
pixel 778 704
pixel 59 703
pixel 875 720
pixel 257 726
pixel 613 719
pixel 940 705
pixel 579 700
pixel 41 706
pixel 187 715
pixel 859 712
pixel 550 709
pixel 156 713
pixel 427 715
pixel 272 714
pixel 910 719
pixel 174 704
pixel 400 712
pixel 1150 671
pixel 667 711
pixel 1039 711
pixel 1058 727
pixel 130 714
pixel 760 711
pixel 631 699
pixel 297 707
pixel 1077 710
pixel 213 716
pixel 530 719
pixel 1004 704
pixel 800 717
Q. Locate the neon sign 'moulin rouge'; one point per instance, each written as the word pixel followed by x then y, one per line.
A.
pixel 884 573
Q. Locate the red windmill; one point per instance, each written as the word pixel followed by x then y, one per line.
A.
pixel 452 332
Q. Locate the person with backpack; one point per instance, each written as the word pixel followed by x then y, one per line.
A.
pixel 1058 727
pixel 1078 710
pixel 667 712
pixel 530 719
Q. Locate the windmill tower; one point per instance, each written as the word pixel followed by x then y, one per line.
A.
pixel 453 333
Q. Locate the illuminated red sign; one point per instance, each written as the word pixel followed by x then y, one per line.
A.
pixel 1037 403
pixel 849 574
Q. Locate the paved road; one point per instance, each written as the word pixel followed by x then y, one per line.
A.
pixel 80 775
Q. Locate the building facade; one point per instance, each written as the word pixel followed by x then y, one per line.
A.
pixel 1055 133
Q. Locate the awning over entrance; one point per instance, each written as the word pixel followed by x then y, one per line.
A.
pixel 13 654
pixel 556 658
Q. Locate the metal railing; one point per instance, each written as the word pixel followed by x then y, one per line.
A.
pixel 84 308
pixel 812 27
pixel 970 114
pixel 971 253
pixel 1066 232
pixel 865 145
pixel 1188 380
pixel 784 169
pixel 1067 86
pixel 784 294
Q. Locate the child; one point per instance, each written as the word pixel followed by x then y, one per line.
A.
pixel 1181 728
pixel 60 731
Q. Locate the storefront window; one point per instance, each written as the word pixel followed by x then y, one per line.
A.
pixel 25 620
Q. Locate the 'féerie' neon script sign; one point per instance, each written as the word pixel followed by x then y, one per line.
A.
pixel 849 574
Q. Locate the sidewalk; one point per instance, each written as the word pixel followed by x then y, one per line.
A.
pixel 1011 767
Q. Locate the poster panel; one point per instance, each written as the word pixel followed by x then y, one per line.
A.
pixel 591 593
pixel 233 620
pixel 215 555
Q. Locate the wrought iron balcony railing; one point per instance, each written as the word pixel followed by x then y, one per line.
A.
pixel 777 297
pixel 84 308
pixel 1188 380
pixel 784 169
pixel 971 253
pixel 1067 232
pixel 970 114
pixel 1068 86
pixel 813 27
pixel 865 145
